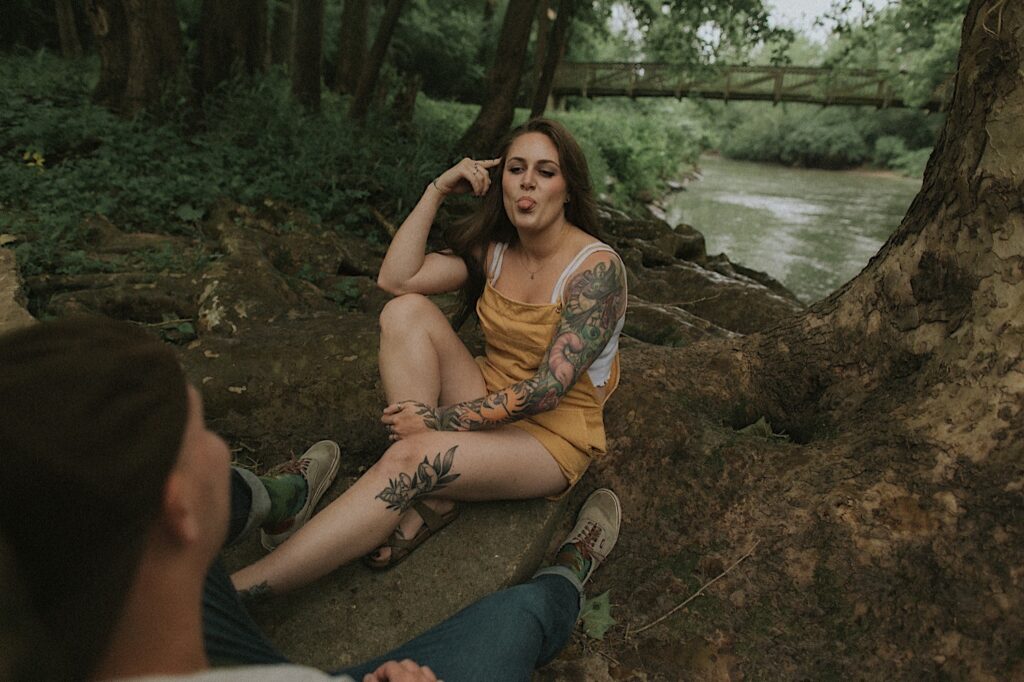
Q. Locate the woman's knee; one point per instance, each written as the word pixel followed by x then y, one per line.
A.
pixel 404 456
pixel 406 311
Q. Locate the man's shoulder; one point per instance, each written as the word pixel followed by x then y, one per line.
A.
pixel 249 673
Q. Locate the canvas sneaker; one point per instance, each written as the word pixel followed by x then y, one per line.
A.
pixel 319 466
pixel 597 528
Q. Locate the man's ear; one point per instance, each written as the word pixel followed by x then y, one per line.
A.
pixel 178 513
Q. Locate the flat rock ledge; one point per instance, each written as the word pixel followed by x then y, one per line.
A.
pixel 356 614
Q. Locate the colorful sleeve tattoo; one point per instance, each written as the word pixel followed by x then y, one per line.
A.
pixel 595 300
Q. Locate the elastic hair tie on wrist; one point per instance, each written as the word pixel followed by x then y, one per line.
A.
pixel 434 183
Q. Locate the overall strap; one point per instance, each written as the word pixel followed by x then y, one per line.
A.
pixel 584 253
pixel 495 269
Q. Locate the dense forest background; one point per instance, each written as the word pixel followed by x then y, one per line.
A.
pixel 345 109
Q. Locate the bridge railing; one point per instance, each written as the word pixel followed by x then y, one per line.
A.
pixel 762 83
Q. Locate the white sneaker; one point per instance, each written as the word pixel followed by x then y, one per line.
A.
pixel 597 528
pixel 319 466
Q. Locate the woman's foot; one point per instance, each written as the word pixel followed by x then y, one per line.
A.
pixel 409 527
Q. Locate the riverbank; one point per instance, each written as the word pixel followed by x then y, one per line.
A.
pixel 813 230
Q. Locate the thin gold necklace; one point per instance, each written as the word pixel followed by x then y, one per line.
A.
pixel 527 267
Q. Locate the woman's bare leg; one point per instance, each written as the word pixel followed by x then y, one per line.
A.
pixel 421 356
pixel 423 359
pixel 504 463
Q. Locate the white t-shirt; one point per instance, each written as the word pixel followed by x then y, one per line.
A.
pixel 249 673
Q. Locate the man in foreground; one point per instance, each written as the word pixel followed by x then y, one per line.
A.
pixel 117 499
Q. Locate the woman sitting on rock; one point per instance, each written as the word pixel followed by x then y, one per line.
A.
pixel 522 422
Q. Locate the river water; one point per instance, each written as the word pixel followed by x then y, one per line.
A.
pixel 813 230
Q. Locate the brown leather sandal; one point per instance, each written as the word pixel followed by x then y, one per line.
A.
pixel 401 547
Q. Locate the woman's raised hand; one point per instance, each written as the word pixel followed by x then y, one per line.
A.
pixel 467 176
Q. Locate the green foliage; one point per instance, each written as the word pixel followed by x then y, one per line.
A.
pixel 798 136
pixel 912 163
pixel 634 148
pixel 176 330
pixel 62 158
pixel 820 144
pixel 28 24
pixel 162 259
pixel 888 148
pixel 442 42
pixel 835 137
pixel 916 41
pixel 678 31
pixel 345 292
pixel 594 39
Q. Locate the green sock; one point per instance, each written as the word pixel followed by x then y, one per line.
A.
pixel 287 495
pixel 572 557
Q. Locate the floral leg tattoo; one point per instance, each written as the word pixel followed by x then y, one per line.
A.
pixel 401 492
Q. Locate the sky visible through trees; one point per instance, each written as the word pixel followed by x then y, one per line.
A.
pixel 802 14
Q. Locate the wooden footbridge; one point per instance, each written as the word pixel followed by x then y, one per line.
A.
pixel 759 83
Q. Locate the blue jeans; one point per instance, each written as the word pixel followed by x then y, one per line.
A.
pixel 504 636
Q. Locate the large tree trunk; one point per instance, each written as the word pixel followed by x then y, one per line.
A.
pixel 886 538
pixel 140 49
pixel 496 113
pixel 403 105
pixel 371 71
pixel 307 52
pixel 555 50
pixel 232 39
pixel 352 44
pixel 483 48
pixel 544 13
pixel 67 27
pixel 943 298
pixel 281 32
pixel 490 6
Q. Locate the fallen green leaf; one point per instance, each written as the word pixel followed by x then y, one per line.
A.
pixel 597 616
pixel 762 429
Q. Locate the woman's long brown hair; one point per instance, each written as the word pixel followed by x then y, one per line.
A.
pixel 470 237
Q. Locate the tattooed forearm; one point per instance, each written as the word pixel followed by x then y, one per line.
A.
pixel 487 412
pixel 429 477
pixel 595 300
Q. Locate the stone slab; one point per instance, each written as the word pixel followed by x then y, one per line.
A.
pixel 12 299
pixel 356 614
